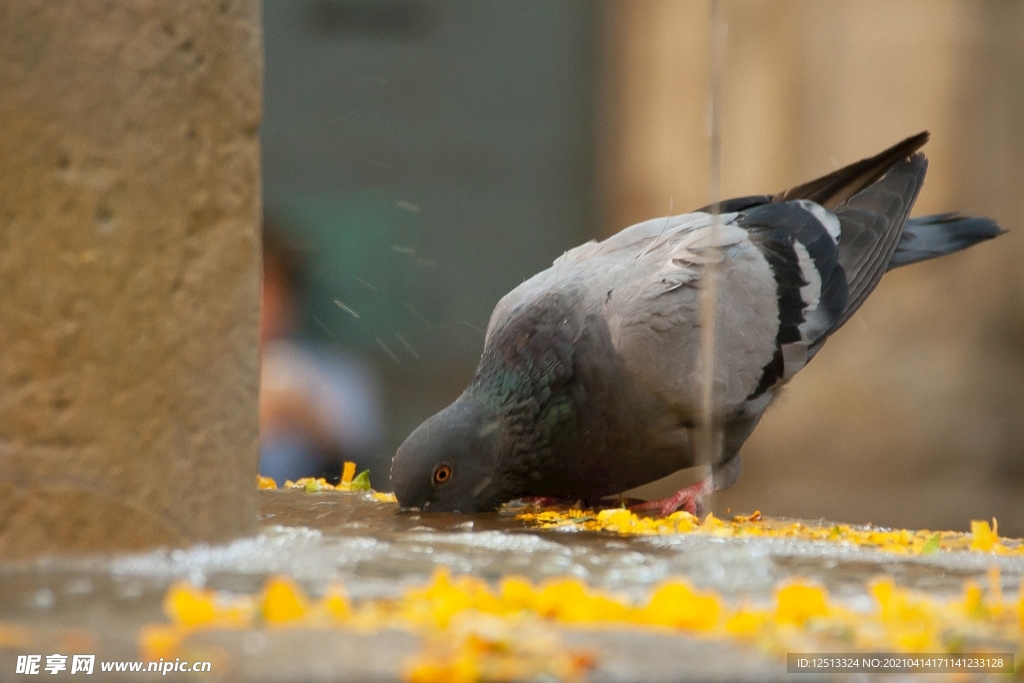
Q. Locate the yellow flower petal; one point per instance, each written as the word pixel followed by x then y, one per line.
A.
pixel 348 471
pixel 189 606
pixel 459 670
pixel 973 603
pixel 336 603
pixel 283 601
pixel 746 623
pixel 675 603
pixel 983 537
pixel 517 593
pixel 798 602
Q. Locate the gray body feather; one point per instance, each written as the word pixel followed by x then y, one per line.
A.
pixel 590 380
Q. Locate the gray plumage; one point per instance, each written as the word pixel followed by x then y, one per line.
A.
pixel 590 379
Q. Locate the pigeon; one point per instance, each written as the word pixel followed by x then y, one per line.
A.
pixel 590 381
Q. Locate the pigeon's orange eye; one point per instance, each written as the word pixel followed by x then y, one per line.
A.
pixel 442 473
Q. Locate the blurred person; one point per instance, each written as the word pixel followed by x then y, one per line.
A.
pixel 319 406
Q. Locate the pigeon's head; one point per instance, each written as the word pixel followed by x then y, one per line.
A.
pixel 448 463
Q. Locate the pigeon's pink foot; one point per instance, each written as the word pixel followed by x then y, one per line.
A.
pixel 690 499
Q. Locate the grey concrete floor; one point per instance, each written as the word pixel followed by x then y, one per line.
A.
pixel 99 603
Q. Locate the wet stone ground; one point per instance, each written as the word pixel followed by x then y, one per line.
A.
pixel 98 604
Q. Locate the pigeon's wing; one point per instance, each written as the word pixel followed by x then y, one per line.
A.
pixel 653 314
pixel 800 241
pixel 838 187
pixel 781 290
pixel 832 190
pixel 871 224
pixel 872 199
pixel 826 261
pixel 600 266
pixel 637 241
pixel 794 267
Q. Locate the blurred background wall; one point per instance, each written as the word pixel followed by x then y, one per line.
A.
pixel 429 155
pixel 426 157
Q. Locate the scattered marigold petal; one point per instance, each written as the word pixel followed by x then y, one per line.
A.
pixel 460 670
pixel 683 521
pixel 883 591
pixel 746 623
pixel 712 523
pixel 283 600
pixel 617 519
pixel 517 593
pixel 336 603
pixel 556 597
pixel 916 638
pixel 897 541
pixel 983 537
pixel 675 603
pixel 313 485
pixel 348 471
pixel 973 602
pixel 479 634
pixel 263 483
pixel 798 602
pixel 189 606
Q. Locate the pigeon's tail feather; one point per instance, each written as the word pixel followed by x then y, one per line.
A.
pixel 837 187
pixel 871 226
pixel 929 236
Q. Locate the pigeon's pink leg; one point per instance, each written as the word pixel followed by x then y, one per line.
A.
pixel 690 499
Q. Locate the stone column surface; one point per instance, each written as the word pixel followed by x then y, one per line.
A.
pixel 129 273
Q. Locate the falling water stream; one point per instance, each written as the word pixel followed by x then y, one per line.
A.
pixel 709 441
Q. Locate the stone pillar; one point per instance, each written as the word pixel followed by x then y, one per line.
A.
pixel 129 273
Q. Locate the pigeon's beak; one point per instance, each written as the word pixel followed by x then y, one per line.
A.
pixel 412 494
